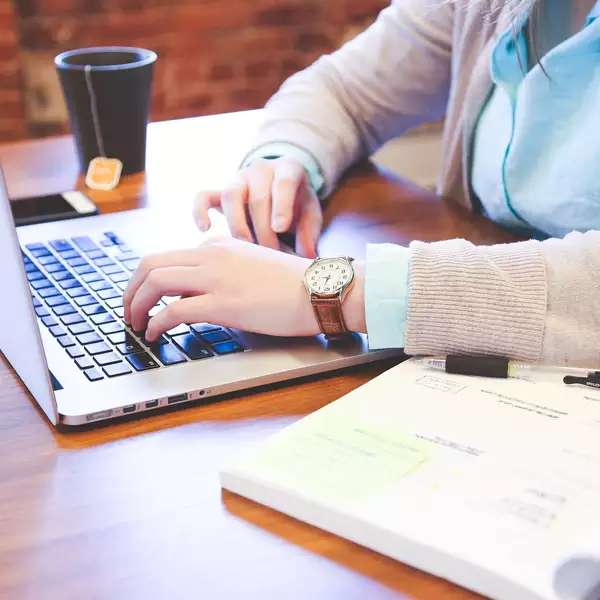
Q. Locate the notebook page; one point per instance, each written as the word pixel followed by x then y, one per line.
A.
pixel 500 473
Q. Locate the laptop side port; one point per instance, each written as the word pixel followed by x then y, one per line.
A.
pixel 177 398
pixel 129 409
pixel 151 404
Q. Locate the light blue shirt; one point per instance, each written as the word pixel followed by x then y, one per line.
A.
pixel 536 149
pixel 536 159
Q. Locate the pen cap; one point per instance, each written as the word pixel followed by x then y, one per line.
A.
pixel 484 366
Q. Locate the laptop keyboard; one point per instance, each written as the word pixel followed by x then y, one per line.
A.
pixel 77 286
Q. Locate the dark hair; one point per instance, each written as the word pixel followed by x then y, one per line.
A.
pixel 532 29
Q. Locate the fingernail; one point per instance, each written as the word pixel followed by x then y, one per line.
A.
pixel 279 224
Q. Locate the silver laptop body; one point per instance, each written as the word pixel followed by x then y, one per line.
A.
pixel 43 359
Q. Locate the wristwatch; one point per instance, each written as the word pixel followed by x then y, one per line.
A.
pixel 328 281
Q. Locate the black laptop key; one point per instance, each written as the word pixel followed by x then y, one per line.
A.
pixel 131 264
pixel 40 284
pixel 64 309
pixel 85 300
pixel 142 361
pixel 116 370
pixel 84 270
pixel 49 321
pixel 96 254
pixel 122 276
pixel 79 328
pixel 167 354
pixel 76 292
pixel 61 245
pixel 90 277
pixel 41 311
pixel 67 284
pixel 40 252
pixel 100 285
pixel 48 292
pixel 65 341
pixel 114 327
pixel 120 337
pixel 89 338
pixel 36 301
pixel 129 347
pixel 113 237
pixel 125 255
pixel 109 293
pixel 104 261
pixel 93 374
pixel 47 260
pixel 34 246
pixel 34 275
pixel 30 267
pixel 191 346
pixel 57 331
pixel 119 311
pixel 94 309
pixel 76 262
pixel 69 254
pixel 109 358
pixel 85 362
pixel 98 348
pixel 76 352
pixel 102 318
pixel 227 347
pixel 84 243
pixel 216 336
pixel 55 268
pixel 61 275
pixel 73 319
pixel 112 269
pixel 115 303
pixel 56 300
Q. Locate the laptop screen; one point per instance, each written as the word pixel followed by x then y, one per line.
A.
pixel 20 339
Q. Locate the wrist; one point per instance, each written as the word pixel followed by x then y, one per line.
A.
pixel 353 307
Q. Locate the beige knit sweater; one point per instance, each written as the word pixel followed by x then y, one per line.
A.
pixel 423 60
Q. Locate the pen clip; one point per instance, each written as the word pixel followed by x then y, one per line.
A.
pixel 591 380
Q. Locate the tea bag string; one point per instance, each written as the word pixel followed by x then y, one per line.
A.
pixel 94 110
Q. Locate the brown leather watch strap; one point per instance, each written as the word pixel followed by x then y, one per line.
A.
pixel 329 315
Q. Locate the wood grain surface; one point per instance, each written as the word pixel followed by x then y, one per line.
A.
pixel 134 509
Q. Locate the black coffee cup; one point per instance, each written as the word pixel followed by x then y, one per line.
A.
pixel 108 102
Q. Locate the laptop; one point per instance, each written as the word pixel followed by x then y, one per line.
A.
pixel 62 328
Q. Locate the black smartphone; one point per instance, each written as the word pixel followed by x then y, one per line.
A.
pixel 54 207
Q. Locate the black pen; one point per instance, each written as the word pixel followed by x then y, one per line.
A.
pixel 482 366
pixel 592 379
pixel 504 368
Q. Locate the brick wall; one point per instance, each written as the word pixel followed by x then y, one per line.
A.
pixel 214 55
pixel 12 113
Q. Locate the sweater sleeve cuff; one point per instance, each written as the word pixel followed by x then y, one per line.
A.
pixel 467 299
pixel 304 157
pixel 386 295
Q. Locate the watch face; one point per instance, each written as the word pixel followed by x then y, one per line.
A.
pixel 328 276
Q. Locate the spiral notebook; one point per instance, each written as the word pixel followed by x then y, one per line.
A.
pixel 491 484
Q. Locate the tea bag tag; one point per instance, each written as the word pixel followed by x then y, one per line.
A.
pixel 103 173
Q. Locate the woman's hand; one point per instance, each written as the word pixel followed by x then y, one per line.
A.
pixel 266 198
pixel 231 283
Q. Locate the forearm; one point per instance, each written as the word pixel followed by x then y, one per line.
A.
pixel 537 301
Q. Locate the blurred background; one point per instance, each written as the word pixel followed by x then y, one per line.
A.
pixel 214 56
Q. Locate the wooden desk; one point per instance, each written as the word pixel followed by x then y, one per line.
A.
pixel 134 509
